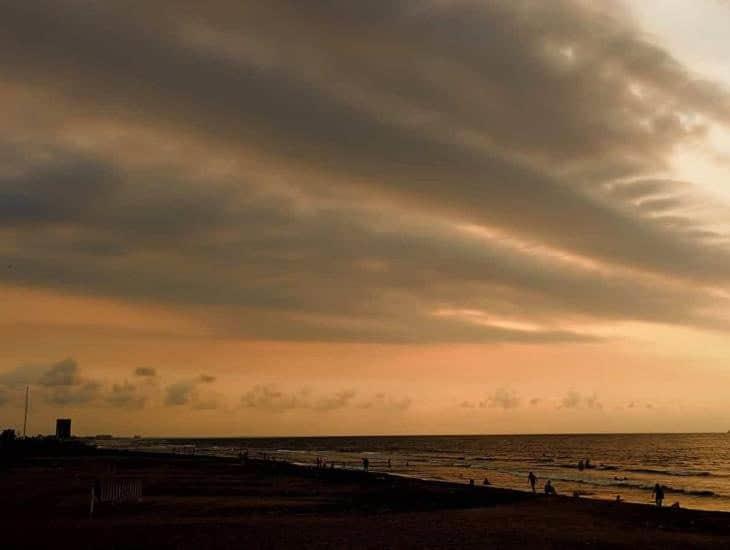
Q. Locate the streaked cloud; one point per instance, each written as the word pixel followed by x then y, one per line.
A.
pixel 434 177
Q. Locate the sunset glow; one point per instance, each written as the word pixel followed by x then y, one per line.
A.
pixel 313 218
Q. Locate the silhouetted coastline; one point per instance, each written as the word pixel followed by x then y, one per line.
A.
pixel 200 502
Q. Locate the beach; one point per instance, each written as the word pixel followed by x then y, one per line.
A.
pixel 213 502
pixel 693 469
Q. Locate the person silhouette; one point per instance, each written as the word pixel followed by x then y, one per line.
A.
pixel 658 494
pixel 532 478
pixel 549 489
pixel 365 464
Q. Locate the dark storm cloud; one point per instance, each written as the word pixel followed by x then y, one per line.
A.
pixel 516 115
pixel 301 272
pixel 335 271
pixel 517 90
pixel 57 190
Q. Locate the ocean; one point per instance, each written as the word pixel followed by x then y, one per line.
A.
pixel 694 468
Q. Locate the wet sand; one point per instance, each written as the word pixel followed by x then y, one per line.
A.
pixel 198 502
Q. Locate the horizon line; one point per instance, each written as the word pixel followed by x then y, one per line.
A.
pixel 330 436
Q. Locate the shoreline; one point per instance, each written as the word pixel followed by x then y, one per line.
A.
pixel 585 489
pixel 209 501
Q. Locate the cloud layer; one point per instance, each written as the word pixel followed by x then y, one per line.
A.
pixel 389 172
pixel 65 384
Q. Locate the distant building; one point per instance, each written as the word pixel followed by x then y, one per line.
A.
pixel 63 428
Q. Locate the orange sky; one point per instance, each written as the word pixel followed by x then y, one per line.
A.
pixel 470 217
pixel 614 386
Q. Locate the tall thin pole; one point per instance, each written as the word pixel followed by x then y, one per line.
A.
pixel 25 418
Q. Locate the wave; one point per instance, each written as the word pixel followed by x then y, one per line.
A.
pixel 655 471
pixel 679 473
pixel 641 487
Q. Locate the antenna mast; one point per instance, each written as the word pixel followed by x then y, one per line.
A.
pixel 25 419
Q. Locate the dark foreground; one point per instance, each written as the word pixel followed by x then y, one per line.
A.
pixel 195 502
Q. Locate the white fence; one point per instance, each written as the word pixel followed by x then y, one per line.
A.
pixel 115 490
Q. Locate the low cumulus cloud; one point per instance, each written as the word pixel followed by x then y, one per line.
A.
pixel 269 398
pixel 387 401
pixel 64 383
pixel 63 373
pixel 636 405
pixel 576 400
pixel 147 372
pixel 178 393
pixel 4 396
pixel 248 198
pixel 192 392
pixel 502 398
pixel 126 395
pixel 59 383
pixel 77 394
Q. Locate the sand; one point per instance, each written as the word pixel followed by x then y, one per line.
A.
pixel 198 502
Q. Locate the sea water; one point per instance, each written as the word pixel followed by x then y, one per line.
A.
pixel 693 468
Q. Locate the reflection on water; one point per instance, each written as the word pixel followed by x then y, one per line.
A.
pixel 694 468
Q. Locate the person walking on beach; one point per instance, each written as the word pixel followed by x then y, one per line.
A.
pixel 365 464
pixel 532 478
pixel 658 494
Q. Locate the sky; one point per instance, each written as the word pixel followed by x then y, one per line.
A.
pixel 240 218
